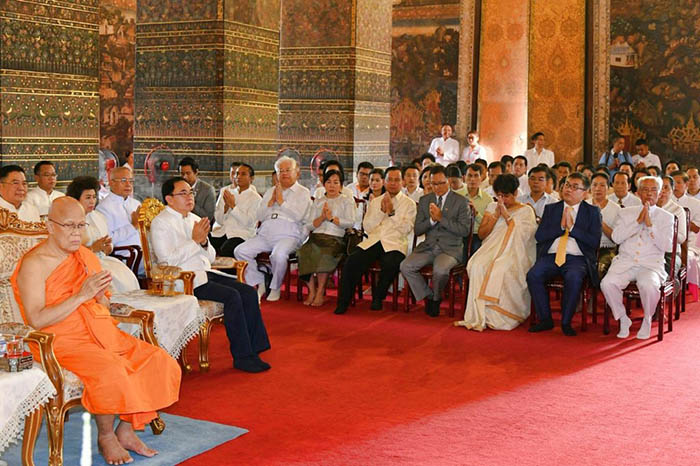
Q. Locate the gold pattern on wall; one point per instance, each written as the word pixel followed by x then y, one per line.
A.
pixel 465 88
pixel 556 75
pixel 502 79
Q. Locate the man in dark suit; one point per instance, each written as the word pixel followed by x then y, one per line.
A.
pixel 444 218
pixel 567 241
pixel 204 193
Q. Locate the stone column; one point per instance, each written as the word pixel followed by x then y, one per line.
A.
pixel 335 65
pixel 49 95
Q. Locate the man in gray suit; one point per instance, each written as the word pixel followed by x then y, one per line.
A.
pixel 444 218
pixel 204 194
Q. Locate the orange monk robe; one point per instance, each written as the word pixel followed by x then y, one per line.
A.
pixel 121 374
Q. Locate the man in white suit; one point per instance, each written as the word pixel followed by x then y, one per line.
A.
pixel 645 234
pixel 444 148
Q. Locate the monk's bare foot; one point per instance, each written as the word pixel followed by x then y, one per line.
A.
pixel 128 439
pixel 112 451
pixel 318 300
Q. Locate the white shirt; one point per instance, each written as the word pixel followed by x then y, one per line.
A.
pixel 240 221
pixel 694 206
pixel 287 218
pixel 694 196
pixel 524 184
pixel 26 212
pixel 415 195
pixel 538 205
pixel 649 160
pixel 678 211
pixel 321 192
pixel 571 244
pixel 643 246
pixel 470 154
pixel 630 200
pixel 41 199
pixel 610 214
pixel 341 206
pixel 118 212
pixel 534 159
pixel 450 150
pixel 355 188
pixel 172 243
pixel 391 231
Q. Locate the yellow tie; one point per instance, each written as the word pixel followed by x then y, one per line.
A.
pixel 560 258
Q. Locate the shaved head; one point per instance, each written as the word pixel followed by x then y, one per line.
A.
pixel 66 224
pixel 65 206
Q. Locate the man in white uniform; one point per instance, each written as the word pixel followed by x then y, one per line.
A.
pixel 610 213
pixel 236 212
pixel 444 148
pixel 693 182
pixel 666 202
pixel 121 210
pixel 538 154
pixel 282 212
pixel 474 150
pixel 520 170
pixel 537 197
pixel 13 191
pixel 680 180
pixel 645 235
pixel 621 191
pixel 644 158
pixel 43 195
pixel 360 187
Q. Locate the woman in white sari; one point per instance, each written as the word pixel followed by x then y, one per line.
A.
pixel 96 237
pixel 498 295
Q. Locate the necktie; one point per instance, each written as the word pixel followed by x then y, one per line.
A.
pixel 619 201
pixel 560 257
pixel 439 204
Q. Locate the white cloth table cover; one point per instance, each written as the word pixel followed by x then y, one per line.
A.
pixel 20 394
pixel 176 318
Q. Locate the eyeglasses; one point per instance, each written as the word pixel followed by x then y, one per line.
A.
pixel 71 226
pixel 16 183
pixel 573 186
pixel 124 180
pixel 287 170
pixel 185 193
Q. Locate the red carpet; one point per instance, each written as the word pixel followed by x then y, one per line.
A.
pixel 394 388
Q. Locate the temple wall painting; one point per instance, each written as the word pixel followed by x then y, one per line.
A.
pixel 424 70
pixel 117 75
pixel 655 75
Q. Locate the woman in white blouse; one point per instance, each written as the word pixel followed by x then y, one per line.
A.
pixel 328 218
pixel 96 237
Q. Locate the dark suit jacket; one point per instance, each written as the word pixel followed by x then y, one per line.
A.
pixel 204 200
pixel 586 232
pixel 449 232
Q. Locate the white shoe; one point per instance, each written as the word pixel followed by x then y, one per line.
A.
pixel 625 324
pixel 261 291
pixel 645 330
pixel 274 295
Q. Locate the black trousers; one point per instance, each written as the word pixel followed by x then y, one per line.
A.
pixel 245 328
pixel 224 246
pixel 357 264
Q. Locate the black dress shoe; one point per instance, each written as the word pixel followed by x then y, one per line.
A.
pixel 376 305
pixel 542 326
pixel 568 331
pixel 340 310
pixel 263 364
pixel 249 364
pixel 432 308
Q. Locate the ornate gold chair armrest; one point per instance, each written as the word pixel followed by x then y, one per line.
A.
pixel 187 278
pixel 226 263
pixel 240 267
pixel 127 314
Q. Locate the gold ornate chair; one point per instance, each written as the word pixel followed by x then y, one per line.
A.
pixel 16 238
pixel 213 311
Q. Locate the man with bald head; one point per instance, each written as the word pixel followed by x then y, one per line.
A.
pixel 121 210
pixel 13 192
pixel 60 288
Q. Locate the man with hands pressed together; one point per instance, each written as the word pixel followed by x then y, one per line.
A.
pixel 645 235
pixel 179 238
pixel 567 240
pixel 388 222
pixel 444 218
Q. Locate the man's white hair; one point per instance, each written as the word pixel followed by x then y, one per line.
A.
pixel 283 159
pixel 659 182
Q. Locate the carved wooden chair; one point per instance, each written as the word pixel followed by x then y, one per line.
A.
pixel 683 269
pixel 16 238
pixel 213 311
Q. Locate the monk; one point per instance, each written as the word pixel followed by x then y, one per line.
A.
pixel 122 375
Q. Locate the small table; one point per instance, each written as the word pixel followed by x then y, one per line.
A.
pixel 21 393
pixel 176 318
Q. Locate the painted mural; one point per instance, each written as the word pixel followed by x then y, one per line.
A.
pixel 117 73
pixel 424 64
pixel 655 75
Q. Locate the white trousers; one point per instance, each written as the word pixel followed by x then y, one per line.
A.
pixel 279 248
pixel 619 276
